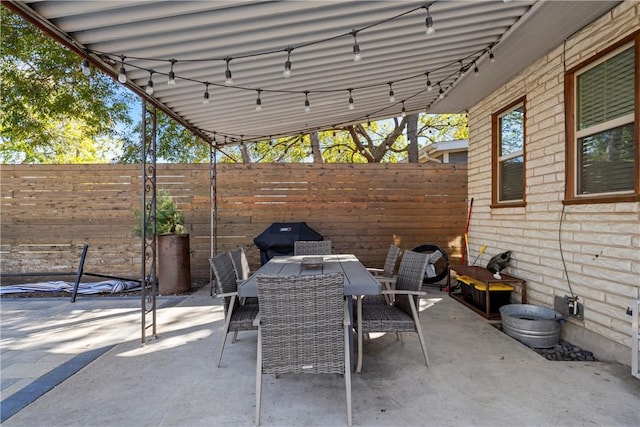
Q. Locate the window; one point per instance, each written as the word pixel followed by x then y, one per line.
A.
pixel 508 155
pixel 602 126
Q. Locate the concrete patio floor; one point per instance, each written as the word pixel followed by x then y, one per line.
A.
pixel 82 364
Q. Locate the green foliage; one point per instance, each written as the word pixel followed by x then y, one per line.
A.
pixel 175 144
pixel 374 142
pixel 295 149
pixel 51 112
pixel 168 218
pixel 512 131
pixel 442 127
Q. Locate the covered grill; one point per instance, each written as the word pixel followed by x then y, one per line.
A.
pixel 279 237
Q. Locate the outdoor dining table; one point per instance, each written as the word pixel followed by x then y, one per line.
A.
pixel 357 280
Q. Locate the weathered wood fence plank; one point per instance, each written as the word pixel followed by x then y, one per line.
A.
pixel 50 211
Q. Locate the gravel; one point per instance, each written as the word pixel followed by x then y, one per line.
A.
pixel 564 351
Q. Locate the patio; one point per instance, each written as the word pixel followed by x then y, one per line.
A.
pixel 478 375
pixel 566 38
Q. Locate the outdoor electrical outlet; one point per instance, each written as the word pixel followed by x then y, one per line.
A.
pixel 569 306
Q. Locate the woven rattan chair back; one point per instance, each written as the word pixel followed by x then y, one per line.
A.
pixel 301 318
pixel 302 328
pixel 312 247
pixel 240 263
pixel 390 261
pixel 410 277
pixel 222 267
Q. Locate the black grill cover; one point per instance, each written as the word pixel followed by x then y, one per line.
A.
pixel 278 238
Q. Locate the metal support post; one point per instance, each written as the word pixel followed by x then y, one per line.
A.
pixel 213 217
pixel 148 264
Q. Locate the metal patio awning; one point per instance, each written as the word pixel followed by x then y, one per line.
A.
pixel 255 38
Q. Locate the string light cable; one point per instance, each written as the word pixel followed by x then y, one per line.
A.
pixel 463 65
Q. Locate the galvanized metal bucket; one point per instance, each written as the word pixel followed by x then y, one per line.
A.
pixel 533 325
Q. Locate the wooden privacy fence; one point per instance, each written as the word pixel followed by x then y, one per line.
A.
pixel 50 211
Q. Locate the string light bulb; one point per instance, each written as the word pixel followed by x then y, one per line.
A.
pixel 476 71
pixel 404 111
pixel 227 74
pixel 287 64
pixel 440 92
pixel 205 96
pixel 122 75
pixel 85 67
pixel 259 101
pixel 351 104
pixel 492 58
pixel 429 23
pixel 461 69
pixel 356 47
pixel 149 88
pixel 307 104
pixel 172 75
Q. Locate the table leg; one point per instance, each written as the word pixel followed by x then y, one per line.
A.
pixel 351 346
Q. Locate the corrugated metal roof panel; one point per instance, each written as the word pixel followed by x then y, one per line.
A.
pixel 395 48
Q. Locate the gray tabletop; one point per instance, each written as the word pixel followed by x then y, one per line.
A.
pixel 357 280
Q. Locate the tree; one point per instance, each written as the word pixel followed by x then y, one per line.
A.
pixel 51 112
pixel 374 142
pixel 412 136
pixel 291 149
pixel 175 144
pixel 434 128
pixel 315 147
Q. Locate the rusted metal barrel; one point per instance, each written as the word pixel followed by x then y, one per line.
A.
pixel 174 265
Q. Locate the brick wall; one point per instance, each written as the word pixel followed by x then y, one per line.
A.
pixel 600 242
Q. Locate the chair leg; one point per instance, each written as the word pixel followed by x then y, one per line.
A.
pixel 235 336
pixel 227 322
pixel 258 378
pixel 387 287
pixel 360 332
pixel 347 371
pixel 224 339
pixel 416 320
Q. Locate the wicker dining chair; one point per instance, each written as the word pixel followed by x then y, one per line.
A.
pixel 241 267
pixel 386 276
pixel 312 247
pixel 240 264
pixel 237 317
pixel 303 327
pixel 402 316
